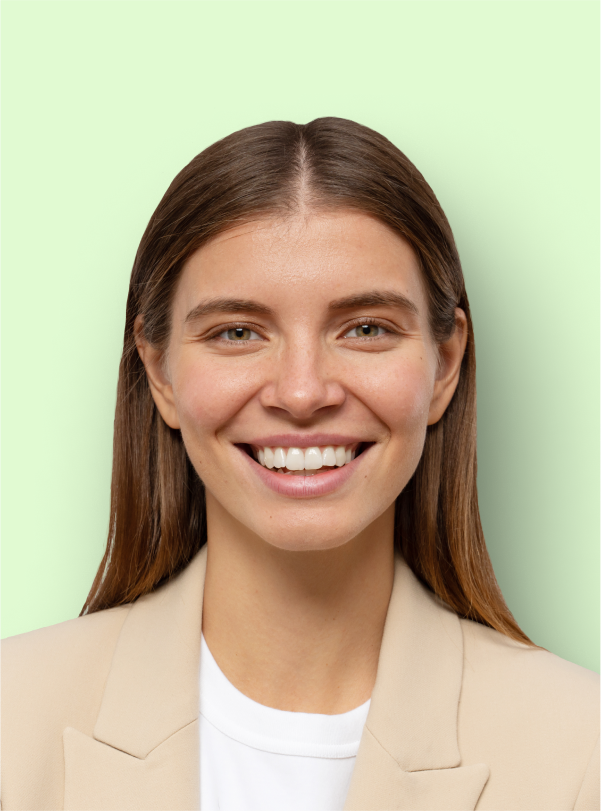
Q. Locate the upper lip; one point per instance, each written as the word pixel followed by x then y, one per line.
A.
pixel 303 440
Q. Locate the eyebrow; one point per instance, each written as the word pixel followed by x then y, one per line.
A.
pixel 227 305
pixel 374 298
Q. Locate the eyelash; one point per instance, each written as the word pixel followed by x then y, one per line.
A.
pixel 217 335
pixel 254 328
pixel 371 322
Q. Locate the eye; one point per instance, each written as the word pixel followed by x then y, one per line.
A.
pixel 239 334
pixel 366 331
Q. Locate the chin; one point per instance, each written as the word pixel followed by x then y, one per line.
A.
pixel 301 526
pixel 312 534
pixel 296 542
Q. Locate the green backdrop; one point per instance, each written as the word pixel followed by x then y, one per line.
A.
pixel 495 102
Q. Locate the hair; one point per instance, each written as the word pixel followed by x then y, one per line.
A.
pixel 157 516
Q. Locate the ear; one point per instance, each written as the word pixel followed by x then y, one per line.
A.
pixel 158 380
pixel 450 356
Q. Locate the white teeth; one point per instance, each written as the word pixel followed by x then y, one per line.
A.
pixel 313 459
pixel 268 458
pixel 329 456
pixel 279 457
pixel 295 459
pixel 286 460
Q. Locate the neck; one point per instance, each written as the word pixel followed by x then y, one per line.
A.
pixel 297 631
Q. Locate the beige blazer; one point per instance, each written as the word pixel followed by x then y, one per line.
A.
pixel 101 712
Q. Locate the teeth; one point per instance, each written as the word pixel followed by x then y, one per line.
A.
pixel 295 459
pixel 313 459
pixel 268 458
pixel 286 460
pixel 329 456
pixel 279 457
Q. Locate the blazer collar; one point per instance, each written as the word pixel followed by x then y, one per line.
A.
pixel 409 754
pixel 152 688
pixel 144 753
pixel 146 734
pixel 413 712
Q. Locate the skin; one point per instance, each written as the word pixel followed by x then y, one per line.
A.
pixel 297 589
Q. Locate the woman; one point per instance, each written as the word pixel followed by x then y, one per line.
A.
pixel 296 608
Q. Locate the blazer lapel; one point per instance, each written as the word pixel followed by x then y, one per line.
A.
pixel 409 756
pixel 99 777
pixel 144 753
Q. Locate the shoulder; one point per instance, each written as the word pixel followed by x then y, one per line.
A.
pixel 57 663
pixel 492 661
pixel 51 679
pixel 532 716
pixel 62 645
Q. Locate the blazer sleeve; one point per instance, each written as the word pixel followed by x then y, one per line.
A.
pixel 588 796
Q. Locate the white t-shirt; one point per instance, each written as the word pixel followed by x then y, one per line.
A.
pixel 256 758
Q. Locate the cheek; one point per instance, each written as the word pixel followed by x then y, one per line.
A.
pixel 400 396
pixel 208 394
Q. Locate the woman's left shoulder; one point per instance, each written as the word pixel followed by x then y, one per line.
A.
pixel 533 717
pixel 528 686
pixel 493 658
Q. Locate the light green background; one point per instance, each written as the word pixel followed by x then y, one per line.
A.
pixel 495 102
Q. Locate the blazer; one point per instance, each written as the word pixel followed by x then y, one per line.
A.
pixel 101 712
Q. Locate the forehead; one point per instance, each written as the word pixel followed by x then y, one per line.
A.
pixel 309 259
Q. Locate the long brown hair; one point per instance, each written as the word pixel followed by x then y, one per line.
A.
pixel 157 518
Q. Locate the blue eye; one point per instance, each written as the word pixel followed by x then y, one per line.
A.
pixel 239 334
pixel 365 331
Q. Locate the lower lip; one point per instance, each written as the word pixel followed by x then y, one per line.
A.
pixel 296 486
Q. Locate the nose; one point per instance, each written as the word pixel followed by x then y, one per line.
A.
pixel 302 382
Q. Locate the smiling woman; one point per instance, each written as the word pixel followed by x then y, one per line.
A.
pixel 296 608
pixel 297 371
pixel 324 216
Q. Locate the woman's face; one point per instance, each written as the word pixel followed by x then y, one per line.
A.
pixel 304 344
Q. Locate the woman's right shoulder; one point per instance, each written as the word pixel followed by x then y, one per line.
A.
pixel 59 654
pixel 52 679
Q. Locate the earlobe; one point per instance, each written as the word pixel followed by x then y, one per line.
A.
pixel 451 355
pixel 158 381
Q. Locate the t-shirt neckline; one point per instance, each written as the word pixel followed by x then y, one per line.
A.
pixel 271 730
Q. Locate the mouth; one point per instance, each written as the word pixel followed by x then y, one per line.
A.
pixel 313 461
